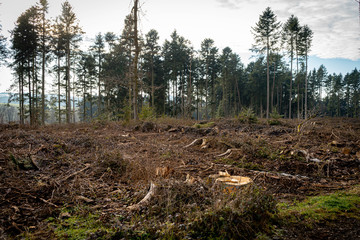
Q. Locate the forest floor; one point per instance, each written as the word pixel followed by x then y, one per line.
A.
pixel 84 181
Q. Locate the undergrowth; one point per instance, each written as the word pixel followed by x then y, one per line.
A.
pixel 177 211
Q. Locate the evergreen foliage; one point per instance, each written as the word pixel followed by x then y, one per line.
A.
pixel 119 75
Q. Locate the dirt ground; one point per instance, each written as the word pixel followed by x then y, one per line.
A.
pixel 45 169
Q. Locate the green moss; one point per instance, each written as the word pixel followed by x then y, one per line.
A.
pixel 324 207
pixel 204 125
pixel 80 225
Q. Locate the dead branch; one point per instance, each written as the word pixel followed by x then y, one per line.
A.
pixel 196 141
pixel 279 175
pixel 36 198
pixel 145 200
pixel 75 173
pixel 50 203
pixel 34 163
pixel 307 156
pixel 225 153
pixel 229 151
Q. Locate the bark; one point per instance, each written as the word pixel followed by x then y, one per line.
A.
pixel 43 73
pixel 291 79
pixel 152 83
pixel 136 58
pixel 68 89
pixel 306 84
pixel 273 89
pixel 59 90
pixel 267 79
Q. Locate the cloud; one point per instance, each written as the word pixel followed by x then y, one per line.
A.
pixel 231 4
pixel 335 23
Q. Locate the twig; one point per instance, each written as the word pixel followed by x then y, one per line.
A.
pixel 145 200
pixel 75 173
pixel 50 203
pixel 33 197
pixel 34 163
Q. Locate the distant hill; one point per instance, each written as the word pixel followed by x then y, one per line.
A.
pixel 4 97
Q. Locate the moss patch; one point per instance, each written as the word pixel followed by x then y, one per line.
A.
pixel 325 207
pixel 79 224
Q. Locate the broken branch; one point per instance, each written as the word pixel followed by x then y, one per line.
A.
pixel 145 200
pixel 196 141
pixel 75 173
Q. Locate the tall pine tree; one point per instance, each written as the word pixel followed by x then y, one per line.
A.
pixel 266 33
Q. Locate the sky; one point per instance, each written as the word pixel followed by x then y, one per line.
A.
pixel 335 24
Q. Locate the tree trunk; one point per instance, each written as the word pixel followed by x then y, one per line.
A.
pixel 189 92
pixel 99 107
pixel 291 79
pixel 43 78
pixel 152 83
pixel 239 97
pixel 59 90
pixel 68 87
pixel 267 79
pixel 84 101
pixel 306 84
pixel 273 89
pixel 30 100
pixel 298 100
pixel 73 100
pixel 136 59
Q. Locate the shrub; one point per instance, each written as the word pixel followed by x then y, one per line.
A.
pixel 200 211
pixel 275 116
pixel 242 215
pixel 247 115
pixel 147 113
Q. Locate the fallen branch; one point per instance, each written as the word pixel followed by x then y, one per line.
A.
pixel 75 173
pixel 279 175
pixel 229 151
pixel 36 198
pixel 34 163
pixel 193 143
pixel 50 203
pixel 145 200
pixel 308 156
pixel 225 153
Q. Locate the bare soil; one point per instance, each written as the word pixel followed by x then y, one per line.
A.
pixel 109 166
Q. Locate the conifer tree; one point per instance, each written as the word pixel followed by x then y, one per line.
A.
pixel 3 49
pixel 43 28
pixel 24 44
pixel 72 33
pixel 266 33
pixel 152 49
pixel 98 50
pixel 305 36
pixel 209 65
pixel 290 32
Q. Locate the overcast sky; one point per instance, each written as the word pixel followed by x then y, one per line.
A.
pixel 335 23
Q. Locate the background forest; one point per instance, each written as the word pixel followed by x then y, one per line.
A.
pixel 133 76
